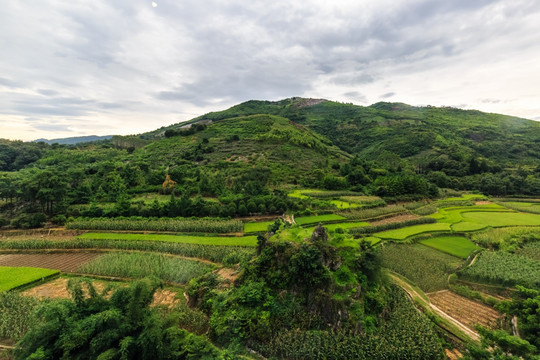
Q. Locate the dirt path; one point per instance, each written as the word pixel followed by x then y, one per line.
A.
pixel 415 295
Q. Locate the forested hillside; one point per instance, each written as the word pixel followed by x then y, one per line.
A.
pixel 238 161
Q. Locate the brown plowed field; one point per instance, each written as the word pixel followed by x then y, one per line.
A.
pixel 56 289
pixel 67 262
pixel 465 311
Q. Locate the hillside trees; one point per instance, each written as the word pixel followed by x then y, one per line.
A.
pixel 120 327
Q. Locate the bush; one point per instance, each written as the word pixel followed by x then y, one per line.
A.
pixel 29 221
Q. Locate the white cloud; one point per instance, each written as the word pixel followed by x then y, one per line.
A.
pixel 105 67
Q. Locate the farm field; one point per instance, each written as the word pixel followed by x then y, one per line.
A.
pixel 403 233
pixel 304 220
pixel 531 207
pixel 467 312
pixel 426 267
pixel 13 277
pixel 530 250
pixel 204 225
pixel 138 265
pixel 250 227
pixel 185 239
pixel 65 262
pixel 500 219
pixel 340 204
pixel 507 269
pixel 454 245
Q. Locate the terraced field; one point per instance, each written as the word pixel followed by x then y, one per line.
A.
pixel 14 277
pixel 184 239
pixel 65 262
pixel 454 245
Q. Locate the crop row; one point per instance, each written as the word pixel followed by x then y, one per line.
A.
pixel 187 239
pixel 139 265
pixel 228 255
pixel 161 224
pixel 15 314
pixel 397 225
pixel 426 267
pixel 502 268
pixel 371 213
pixel 406 335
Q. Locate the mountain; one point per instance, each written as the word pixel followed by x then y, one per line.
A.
pixel 75 140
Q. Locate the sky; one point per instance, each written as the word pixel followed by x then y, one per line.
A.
pixel 95 67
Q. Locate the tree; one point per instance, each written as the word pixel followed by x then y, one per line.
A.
pixel 123 326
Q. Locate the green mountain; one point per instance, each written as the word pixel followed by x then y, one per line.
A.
pixel 241 159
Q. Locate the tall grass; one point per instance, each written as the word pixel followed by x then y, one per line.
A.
pixel 505 238
pixel 16 314
pixel 206 225
pixel 371 213
pixel 227 255
pixel 139 265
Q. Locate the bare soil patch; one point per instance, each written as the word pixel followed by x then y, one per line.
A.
pixel 57 289
pixel 69 262
pixel 228 274
pixel 483 202
pixel 394 219
pixel 466 311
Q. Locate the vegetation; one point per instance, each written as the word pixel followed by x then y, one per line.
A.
pixel 454 245
pixel 392 225
pixel 16 314
pixel 137 265
pixel 186 239
pixel 13 277
pixel 403 233
pixel 161 224
pixel 318 219
pixel 426 267
pixel 228 255
pixel 497 267
pixel 115 327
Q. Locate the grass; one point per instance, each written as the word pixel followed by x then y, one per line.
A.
pixel 530 250
pixel 257 226
pixel 403 233
pixel 345 226
pixel 467 226
pixel 504 238
pixel 14 277
pixel 496 219
pixel 185 239
pixel 139 265
pixel 318 219
pixel 370 213
pixel 342 205
pixel 454 245
pixel 465 197
pixel 522 206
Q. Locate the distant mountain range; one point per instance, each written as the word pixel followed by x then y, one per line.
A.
pixel 75 140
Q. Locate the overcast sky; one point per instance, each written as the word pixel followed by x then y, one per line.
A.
pixel 73 67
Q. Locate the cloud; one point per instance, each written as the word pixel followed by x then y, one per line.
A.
pixel 118 64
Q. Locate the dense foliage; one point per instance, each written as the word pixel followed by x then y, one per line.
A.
pixel 121 326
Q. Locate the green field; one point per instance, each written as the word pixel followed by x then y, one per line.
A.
pixel 344 204
pixel 318 219
pixel 465 197
pixel 426 267
pixel 345 226
pixel 139 265
pixel 186 239
pixel 467 226
pixel 257 226
pixel 403 233
pixel 500 219
pixel 454 245
pixel 13 277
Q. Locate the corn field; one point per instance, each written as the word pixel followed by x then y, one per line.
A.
pixel 205 225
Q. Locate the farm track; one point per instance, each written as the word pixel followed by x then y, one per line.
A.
pixel 65 262
pixel 466 311
pixel 415 295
